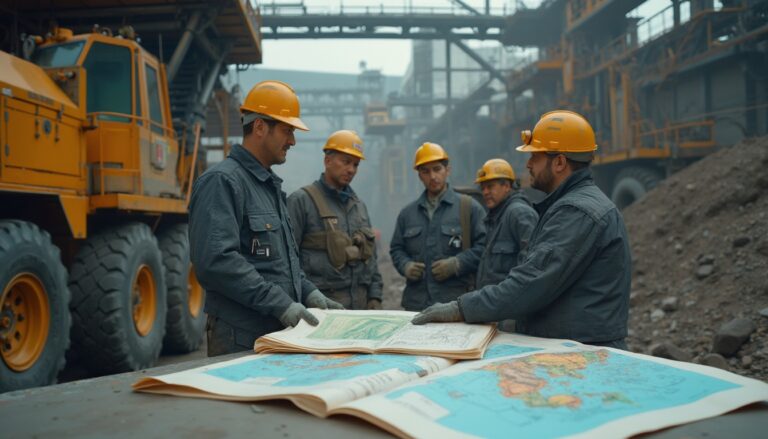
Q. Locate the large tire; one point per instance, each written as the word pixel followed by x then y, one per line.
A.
pixel 185 321
pixel 632 184
pixel 118 300
pixel 34 307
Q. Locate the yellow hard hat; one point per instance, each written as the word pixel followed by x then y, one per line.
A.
pixel 274 99
pixel 559 131
pixel 345 141
pixel 493 169
pixel 429 152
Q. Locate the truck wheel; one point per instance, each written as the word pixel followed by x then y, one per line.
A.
pixel 185 320
pixel 34 307
pixel 631 184
pixel 118 300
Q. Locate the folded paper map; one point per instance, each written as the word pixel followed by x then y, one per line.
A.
pixel 530 386
pixel 379 332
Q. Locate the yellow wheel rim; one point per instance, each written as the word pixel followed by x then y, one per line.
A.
pixel 25 318
pixel 144 300
pixel 194 293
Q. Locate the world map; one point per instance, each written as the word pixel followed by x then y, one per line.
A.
pixel 555 394
pixel 312 369
pixel 346 327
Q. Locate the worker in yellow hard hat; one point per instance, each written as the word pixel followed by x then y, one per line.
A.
pixel 241 244
pixel 509 223
pixel 333 229
pixel 439 237
pixel 573 279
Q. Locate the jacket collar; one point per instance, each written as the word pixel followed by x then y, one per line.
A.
pixel 581 177
pixel 343 195
pixel 494 213
pixel 449 196
pixel 249 162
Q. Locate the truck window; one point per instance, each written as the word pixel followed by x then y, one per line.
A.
pixel 153 96
pixel 60 55
pixel 108 69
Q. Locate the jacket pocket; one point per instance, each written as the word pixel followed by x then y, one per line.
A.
pixel 503 256
pixel 265 240
pixel 450 239
pixel 413 240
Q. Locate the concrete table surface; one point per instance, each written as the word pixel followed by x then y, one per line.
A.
pixel 106 407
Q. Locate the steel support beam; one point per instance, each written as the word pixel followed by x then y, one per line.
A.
pixel 210 81
pixel 182 47
pixel 467 7
pixel 478 59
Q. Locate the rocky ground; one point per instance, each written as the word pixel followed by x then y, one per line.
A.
pixel 700 263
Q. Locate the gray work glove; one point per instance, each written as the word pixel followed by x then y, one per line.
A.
pixel 374 304
pixel 414 270
pixel 439 312
pixel 445 268
pixel 316 299
pixel 296 312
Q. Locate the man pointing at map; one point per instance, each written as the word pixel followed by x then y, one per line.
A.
pixel 573 279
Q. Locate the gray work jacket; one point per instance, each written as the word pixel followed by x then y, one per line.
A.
pixel 242 244
pixel 508 226
pixel 352 216
pixel 573 279
pixel 418 239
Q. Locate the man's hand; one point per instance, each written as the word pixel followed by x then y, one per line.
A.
pixel 374 304
pixel 445 268
pixel 439 312
pixel 316 299
pixel 295 313
pixel 414 270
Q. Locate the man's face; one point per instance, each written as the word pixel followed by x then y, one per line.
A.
pixel 277 141
pixel 340 168
pixel 540 167
pixel 433 176
pixel 495 191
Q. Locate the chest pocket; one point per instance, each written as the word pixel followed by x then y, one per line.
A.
pixel 503 256
pixel 264 242
pixel 450 238
pixel 413 241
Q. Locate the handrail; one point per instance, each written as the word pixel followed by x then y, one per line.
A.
pixel 167 131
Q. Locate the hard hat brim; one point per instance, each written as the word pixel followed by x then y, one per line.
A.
pixel 292 121
pixel 355 154
pixel 530 148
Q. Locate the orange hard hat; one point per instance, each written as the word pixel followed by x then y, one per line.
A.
pixel 559 131
pixel 494 169
pixel 429 152
pixel 345 141
pixel 276 100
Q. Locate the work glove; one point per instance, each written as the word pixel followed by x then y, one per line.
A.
pixel 445 268
pixel 439 312
pixel 374 303
pixel 316 299
pixel 296 312
pixel 414 270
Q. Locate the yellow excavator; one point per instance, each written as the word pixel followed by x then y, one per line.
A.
pixel 94 190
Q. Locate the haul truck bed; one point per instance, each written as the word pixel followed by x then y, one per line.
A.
pixel 106 407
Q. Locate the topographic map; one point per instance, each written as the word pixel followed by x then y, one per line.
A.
pixel 351 327
pixel 552 394
pixel 311 369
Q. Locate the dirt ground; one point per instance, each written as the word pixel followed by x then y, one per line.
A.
pixel 700 258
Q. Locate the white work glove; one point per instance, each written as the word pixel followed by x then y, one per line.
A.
pixel 295 313
pixel 317 299
pixel 439 312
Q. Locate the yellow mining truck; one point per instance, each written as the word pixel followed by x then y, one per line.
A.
pixel 93 212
